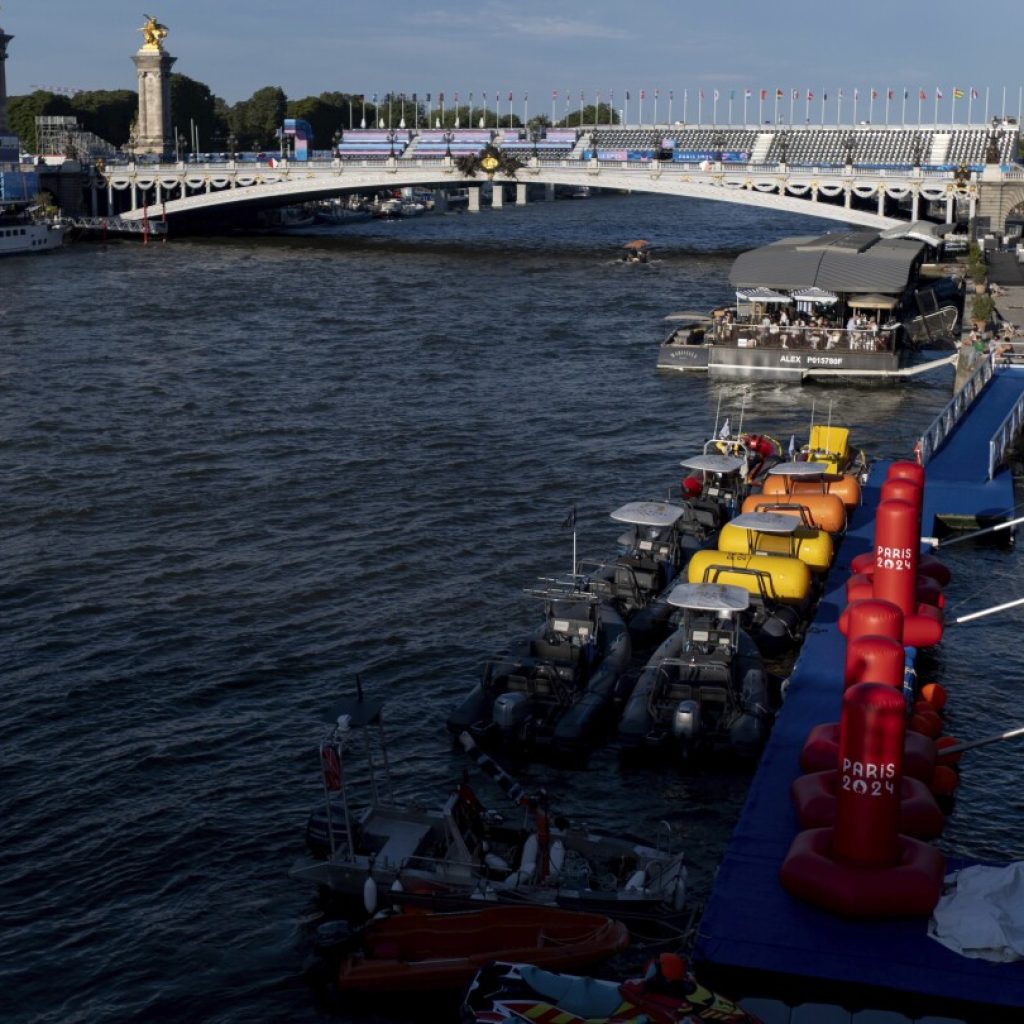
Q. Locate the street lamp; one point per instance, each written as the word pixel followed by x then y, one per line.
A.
pixel 232 145
pixel 392 135
pixel 448 136
pixel 718 143
pixel 178 141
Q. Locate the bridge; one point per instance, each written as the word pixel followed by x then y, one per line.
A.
pixel 866 176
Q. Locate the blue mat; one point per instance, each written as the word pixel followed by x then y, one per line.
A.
pixel 958 481
pixel 751 923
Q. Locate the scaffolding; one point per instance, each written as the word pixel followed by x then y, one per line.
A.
pixel 64 136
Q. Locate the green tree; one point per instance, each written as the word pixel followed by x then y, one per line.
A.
pixel 324 118
pixel 601 114
pixel 107 113
pixel 193 103
pixel 22 112
pixel 257 120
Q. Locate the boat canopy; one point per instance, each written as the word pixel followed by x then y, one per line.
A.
pixel 690 317
pixel 710 597
pixel 800 470
pixel 637 244
pixel 763 295
pixel 713 463
pixel 843 262
pixel 766 522
pixel 648 513
pixel 871 302
pixel 814 294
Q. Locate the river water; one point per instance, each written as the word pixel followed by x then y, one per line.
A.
pixel 238 472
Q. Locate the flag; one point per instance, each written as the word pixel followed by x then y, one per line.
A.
pixel 732 95
pixel 456 97
pixel 958 94
pixel 747 94
pixel 331 765
pixel 810 95
pixel 642 94
pixel 938 93
pixel 726 429
pixel 974 94
pixel 921 95
pixel 796 94
pixel 554 94
pixel 627 95
pixel 792 446
pixel 856 94
pixel 764 94
pixel 570 519
pixel 888 94
pixel 670 94
pixel 840 93
pixel 702 94
pixel 906 93
pixel 716 95
pixel 526 96
pixel 374 97
pixel 779 94
pixel 440 97
pixel 874 94
pixel 657 93
pixel 824 97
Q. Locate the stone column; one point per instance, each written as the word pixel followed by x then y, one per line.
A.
pixel 474 198
pixel 497 196
pixel 4 40
pixel 520 193
pixel 153 127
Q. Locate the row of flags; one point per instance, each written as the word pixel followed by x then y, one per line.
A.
pixel 763 94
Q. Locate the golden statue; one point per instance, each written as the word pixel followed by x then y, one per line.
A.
pixel 153 33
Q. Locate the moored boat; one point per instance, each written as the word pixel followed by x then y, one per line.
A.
pixel 667 993
pixel 557 690
pixel 704 688
pixel 852 305
pixel 415 952
pixel 380 852
pixel 21 233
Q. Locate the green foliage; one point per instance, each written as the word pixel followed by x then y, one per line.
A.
pixel 324 118
pixel 192 102
pixel 108 113
pixel 256 121
pixel 591 115
pixel 982 307
pixel 22 112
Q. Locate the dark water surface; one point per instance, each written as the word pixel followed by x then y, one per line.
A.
pixel 237 472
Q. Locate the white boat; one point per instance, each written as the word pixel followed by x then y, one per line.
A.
pixel 19 233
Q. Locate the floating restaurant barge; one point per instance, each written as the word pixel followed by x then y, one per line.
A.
pixel 855 305
pixel 777 950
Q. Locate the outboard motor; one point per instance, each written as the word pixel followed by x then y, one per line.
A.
pixel 511 712
pixel 686 721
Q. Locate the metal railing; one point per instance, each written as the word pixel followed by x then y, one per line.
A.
pixel 942 426
pixel 1004 436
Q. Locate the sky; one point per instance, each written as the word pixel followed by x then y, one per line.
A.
pixel 533 48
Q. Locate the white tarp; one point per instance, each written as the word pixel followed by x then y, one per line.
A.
pixel 982 914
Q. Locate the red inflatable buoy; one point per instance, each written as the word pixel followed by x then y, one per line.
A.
pixel 821 752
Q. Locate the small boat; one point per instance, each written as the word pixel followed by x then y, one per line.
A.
pixel 559 690
pixel 659 541
pixel 666 994
pixel 705 687
pixel 286 218
pixel 465 855
pixel 415 952
pixel 781 588
pixel 637 251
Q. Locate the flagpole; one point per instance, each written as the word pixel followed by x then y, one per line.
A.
pixel 554 100
pixel 526 113
pixel 745 98
pixel 920 102
pixel 670 106
pixel 871 106
pixel 791 98
pixel 730 106
pixel 760 109
pixel 656 106
pixel 986 105
pixel 903 109
pixel 952 108
pixel 685 99
pixel 888 96
pixel 839 108
pixel 1003 114
pixel 640 108
pixel 936 121
pixel 824 98
pixel 714 108
pixel 775 117
pixel 700 107
pixel 970 104
pixel 856 96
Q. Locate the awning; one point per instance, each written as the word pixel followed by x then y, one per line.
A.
pixel 871 302
pixel 761 295
pixel 819 295
pixel 639 243
pixel 921 231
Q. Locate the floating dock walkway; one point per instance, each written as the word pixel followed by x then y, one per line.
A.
pixel 757 941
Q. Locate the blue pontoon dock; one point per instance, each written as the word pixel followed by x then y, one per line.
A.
pixel 754 939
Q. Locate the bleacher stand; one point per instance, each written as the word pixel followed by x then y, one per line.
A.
pixel 372 144
pixel 431 142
